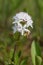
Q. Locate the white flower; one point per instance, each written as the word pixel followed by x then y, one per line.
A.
pixel 22 17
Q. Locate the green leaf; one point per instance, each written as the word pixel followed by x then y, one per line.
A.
pixel 38 60
pixel 24 61
pixel 35 51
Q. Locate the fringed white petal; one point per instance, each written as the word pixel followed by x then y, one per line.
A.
pixel 21 17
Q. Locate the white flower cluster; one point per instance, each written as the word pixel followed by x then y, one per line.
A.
pixel 22 17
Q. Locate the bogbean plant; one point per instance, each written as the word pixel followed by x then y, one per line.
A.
pixel 22 21
pixel 7 10
pixel 21 24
